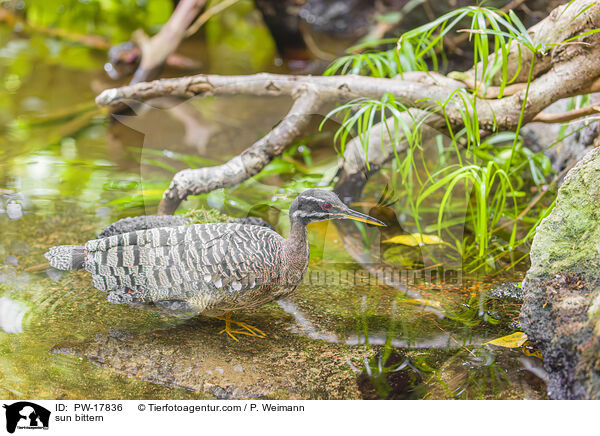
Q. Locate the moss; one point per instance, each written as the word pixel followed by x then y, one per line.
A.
pixel 201 216
pixel 567 240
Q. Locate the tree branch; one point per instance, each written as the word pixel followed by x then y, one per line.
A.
pixel 157 49
pixel 571 75
pixel 566 70
pixel 544 117
pixel 247 164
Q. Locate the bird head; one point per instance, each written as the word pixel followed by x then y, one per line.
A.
pixel 318 205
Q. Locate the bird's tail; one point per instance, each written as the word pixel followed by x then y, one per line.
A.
pixel 66 257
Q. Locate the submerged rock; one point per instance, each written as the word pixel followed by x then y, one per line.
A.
pixel 14 211
pixel 561 310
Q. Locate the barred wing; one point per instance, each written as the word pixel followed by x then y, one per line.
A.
pixel 181 262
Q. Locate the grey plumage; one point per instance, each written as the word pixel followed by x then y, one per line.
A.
pixel 172 264
pixel 66 257
pixel 145 222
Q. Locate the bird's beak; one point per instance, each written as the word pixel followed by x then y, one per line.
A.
pixel 357 216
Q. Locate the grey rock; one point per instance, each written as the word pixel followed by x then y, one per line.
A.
pixel 14 211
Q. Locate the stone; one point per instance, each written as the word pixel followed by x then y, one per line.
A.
pixel 14 211
pixel 560 313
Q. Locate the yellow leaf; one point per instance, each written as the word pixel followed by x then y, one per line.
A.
pixel 530 350
pixel 422 302
pixel 150 191
pixel 511 341
pixel 415 239
pixel 429 239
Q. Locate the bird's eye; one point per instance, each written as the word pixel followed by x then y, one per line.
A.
pixel 326 206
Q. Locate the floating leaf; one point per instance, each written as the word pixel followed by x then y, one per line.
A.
pixel 529 350
pixel 514 340
pixel 423 302
pixel 415 239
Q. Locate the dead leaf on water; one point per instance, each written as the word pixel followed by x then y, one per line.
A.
pixel 530 350
pixel 514 340
pixel 415 239
pixel 422 302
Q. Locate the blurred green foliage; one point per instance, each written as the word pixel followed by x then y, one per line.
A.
pixel 237 40
pixel 113 19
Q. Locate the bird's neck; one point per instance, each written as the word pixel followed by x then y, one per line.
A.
pixel 298 237
pixel 296 245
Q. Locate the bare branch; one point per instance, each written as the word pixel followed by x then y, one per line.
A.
pixel 544 117
pixel 157 49
pixel 570 76
pixel 409 91
pixel 247 164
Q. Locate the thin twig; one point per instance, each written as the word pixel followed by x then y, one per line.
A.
pixel 250 162
pixel 544 117
pixel 207 15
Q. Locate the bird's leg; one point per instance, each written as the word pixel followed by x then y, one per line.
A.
pixel 247 328
pixel 227 328
pixel 255 331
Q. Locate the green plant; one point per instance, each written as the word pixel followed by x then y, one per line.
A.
pixel 360 116
pixel 380 63
pixel 478 181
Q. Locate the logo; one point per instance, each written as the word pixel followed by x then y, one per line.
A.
pixel 26 415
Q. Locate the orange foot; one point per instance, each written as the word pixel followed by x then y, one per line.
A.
pixel 247 329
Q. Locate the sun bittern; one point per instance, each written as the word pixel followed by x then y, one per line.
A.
pixel 209 269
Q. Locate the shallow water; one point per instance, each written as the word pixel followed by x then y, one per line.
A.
pixel 350 330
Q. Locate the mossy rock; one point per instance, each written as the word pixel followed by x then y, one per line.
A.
pixel 561 310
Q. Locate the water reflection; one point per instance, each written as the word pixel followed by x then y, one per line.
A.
pixel 306 328
pixel 11 315
pixel 11 204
